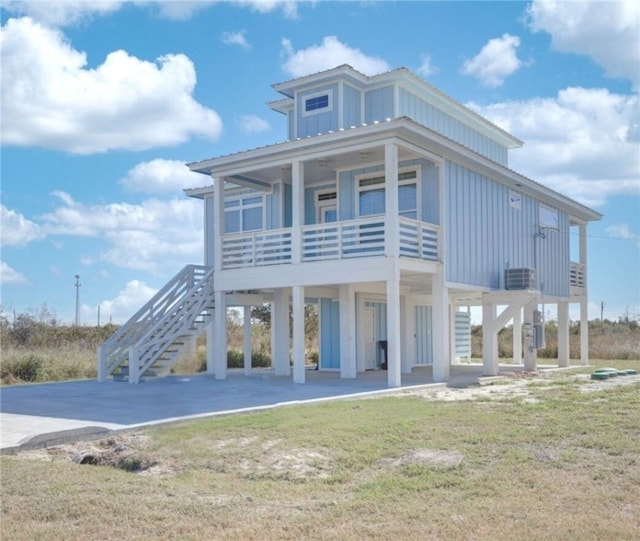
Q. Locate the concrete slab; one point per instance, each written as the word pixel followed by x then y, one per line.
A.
pixel 42 413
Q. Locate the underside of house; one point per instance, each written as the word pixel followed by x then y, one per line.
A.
pixel 392 208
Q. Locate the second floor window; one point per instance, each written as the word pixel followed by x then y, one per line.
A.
pixel 371 195
pixel 317 103
pixel 244 214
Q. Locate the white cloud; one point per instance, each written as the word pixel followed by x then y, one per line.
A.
pixel 583 142
pixel 50 99
pixel 426 67
pixel 182 9
pixel 253 124
pixel 622 231
pixel 236 38
pixel 151 236
pixel 62 12
pixel 608 32
pixel 126 303
pixel 9 275
pixel 495 62
pixel 331 53
pixel 16 229
pixel 160 175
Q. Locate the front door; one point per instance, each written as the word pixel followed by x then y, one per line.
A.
pixel 369 338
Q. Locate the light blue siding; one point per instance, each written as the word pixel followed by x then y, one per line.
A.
pixel 288 209
pixel 352 102
pixel 424 342
pixel 485 235
pixel 378 104
pixel 329 334
pixel 310 202
pixel 322 122
pixel 272 208
pixel 426 114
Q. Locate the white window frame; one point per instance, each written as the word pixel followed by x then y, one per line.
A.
pixel 380 174
pixel 240 206
pixel 328 108
pixel 548 217
pixel 322 205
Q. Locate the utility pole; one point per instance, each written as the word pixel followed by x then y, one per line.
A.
pixel 601 310
pixel 77 300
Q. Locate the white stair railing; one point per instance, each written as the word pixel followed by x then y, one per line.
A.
pixel 115 351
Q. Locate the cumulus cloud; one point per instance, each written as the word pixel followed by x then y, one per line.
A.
pixel 126 303
pixel 582 142
pixel 236 38
pixel 8 275
pixel 159 175
pixel 426 67
pixel 623 231
pixel 51 100
pixel 16 229
pixel 495 62
pixel 62 12
pixel 608 32
pixel 331 53
pixel 253 124
pixel 150 236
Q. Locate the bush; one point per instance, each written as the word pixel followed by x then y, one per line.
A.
pixel 28 368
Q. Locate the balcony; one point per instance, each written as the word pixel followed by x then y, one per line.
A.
pixel 576 274
pixel 337 240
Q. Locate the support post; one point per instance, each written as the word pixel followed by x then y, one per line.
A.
pixel 517 337
pixel 298 334
pixel 280 332
pixel 102 368
pixel 393 333
pixel 489 339
pixel 246 346
pixel 409 334
pixel 347 332
pixel 441 328
pixel 584 301
pixel 134 365
pixel 220 336
pixel 530 351
pixel 563 333
pixel 297 207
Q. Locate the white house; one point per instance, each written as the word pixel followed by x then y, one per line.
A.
pixel 392 207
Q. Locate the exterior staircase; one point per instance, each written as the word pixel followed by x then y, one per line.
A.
pixel 152 340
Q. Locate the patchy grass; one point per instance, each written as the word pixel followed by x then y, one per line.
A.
pixel 562 466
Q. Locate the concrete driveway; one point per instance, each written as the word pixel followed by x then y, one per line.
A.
pixel 44 414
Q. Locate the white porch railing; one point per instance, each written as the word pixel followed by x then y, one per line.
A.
pixel 335 240
pixel 576 274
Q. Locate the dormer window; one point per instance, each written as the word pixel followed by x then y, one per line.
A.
pixel 317 103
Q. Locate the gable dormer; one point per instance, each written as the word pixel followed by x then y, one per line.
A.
pixel 343 98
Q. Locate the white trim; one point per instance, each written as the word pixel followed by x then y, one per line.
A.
pixel 380 174
pixel 329 107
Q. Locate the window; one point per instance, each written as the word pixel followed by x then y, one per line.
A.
pixel 243 214
pixel 317 103
pixel 547 217
pixel 326 209
pixel 371 192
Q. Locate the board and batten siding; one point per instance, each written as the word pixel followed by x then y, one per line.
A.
pixel 379 104
pixel 486 235
pixel 329 334
pixel 426 114
pixel 319 122
pixel 352 100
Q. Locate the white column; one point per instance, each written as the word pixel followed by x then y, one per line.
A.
pixel 530 352
pixel 218 220
pixel 517 337
pixel 441 328
pixel 393 333
pixel 220 336
pixel 211 340
pixel 210 230
pixel 280 332
pixel 409 334
pixel 489 339
pixel 298 334
pixel 584 301
pixel 246 346
pixel 347 332
pixel 392 212
pixel 563 333
pixel 297 208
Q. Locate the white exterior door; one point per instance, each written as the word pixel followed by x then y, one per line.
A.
pixel 369 338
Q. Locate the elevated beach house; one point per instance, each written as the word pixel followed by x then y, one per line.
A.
pixel 393 208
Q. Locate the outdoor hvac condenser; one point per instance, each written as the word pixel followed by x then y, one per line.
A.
pixel 520 278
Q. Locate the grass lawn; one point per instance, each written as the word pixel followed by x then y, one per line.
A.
pixel 559 461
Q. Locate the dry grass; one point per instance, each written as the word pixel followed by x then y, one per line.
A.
pixel 555 462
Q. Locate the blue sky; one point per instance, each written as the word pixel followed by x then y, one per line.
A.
pixel 104 102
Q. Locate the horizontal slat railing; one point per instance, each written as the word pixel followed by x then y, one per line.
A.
pixel 335 240
pixel 576 274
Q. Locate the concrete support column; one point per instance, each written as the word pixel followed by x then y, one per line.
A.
pixel 347 331
pixel 517 337
pixel 530 352
pixel 246 346
pixel 563 333
pixel 441 329
pixel 298 334
pixel 280 332
pixel 584 331
pixel 489 339
pixel 219 346
pixel 393 333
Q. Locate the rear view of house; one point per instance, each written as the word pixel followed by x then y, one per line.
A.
pixel 392 207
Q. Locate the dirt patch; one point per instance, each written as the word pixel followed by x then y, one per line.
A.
pixel 428 457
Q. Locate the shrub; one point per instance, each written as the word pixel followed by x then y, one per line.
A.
pixel 28 368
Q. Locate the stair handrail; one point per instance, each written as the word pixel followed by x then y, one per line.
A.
pixel 185 312
pixel 114 350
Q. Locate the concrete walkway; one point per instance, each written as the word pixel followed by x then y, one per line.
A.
pixel 46 414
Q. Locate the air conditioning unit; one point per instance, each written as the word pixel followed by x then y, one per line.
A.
pixel 518 279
